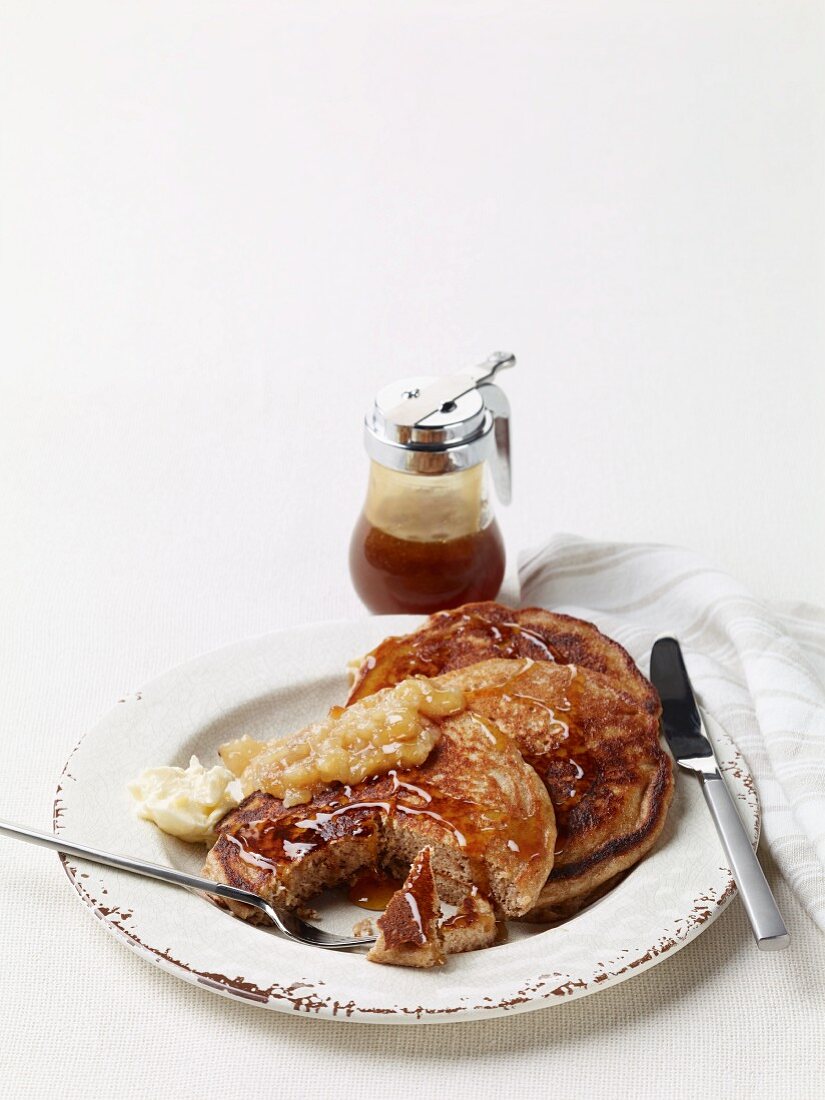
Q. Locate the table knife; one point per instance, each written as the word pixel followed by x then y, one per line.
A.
pixel 692 750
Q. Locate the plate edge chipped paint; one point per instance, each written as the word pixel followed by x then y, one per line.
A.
pixel 145 929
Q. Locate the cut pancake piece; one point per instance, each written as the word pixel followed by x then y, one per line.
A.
pixel 409 933
pixel 483 811
pixel 480 631
pixel 408 929
pixel 286 856
pixel 473 925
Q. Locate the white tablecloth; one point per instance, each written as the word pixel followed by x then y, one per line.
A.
pixel 224 225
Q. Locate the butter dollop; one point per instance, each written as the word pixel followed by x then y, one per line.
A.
pixel 186 802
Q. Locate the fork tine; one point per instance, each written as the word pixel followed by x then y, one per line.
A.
pixel 294 928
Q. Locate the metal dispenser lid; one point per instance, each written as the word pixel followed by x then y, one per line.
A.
pixel 430 425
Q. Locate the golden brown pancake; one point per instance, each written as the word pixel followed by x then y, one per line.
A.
pixel 480 631
pixel 599 755
pixel 482 809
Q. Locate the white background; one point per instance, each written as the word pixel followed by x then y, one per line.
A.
pixel 222 227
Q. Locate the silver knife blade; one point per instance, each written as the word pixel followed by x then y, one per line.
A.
pixel 688 741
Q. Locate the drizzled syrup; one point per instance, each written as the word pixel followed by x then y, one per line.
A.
pixel 512 640
pixel 473 827
pixel 372 890
pixel 431 653
pixel 565 764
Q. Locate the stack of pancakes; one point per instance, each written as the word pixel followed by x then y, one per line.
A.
pixel 540 793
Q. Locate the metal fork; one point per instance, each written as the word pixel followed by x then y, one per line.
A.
pixel 288 924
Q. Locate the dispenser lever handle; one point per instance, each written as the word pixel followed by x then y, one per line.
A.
pixel 486 371
pixel 419 406
pixel 496 401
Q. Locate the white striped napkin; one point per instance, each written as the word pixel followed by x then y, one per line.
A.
pixel 762 669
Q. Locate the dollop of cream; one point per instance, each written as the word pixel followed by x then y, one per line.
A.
pixel 186 802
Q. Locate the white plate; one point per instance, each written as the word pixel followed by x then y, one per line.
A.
pixel 272 685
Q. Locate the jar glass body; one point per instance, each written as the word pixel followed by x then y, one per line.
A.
pixel 426 543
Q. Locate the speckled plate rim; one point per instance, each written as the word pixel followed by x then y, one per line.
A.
pixel 663 904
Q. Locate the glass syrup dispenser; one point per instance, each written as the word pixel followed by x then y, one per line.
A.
pixel 427 538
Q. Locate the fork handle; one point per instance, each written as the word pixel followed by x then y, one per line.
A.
pixel 127 863
pixel 766 921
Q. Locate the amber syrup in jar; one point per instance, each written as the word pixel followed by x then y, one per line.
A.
pixel 423 544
